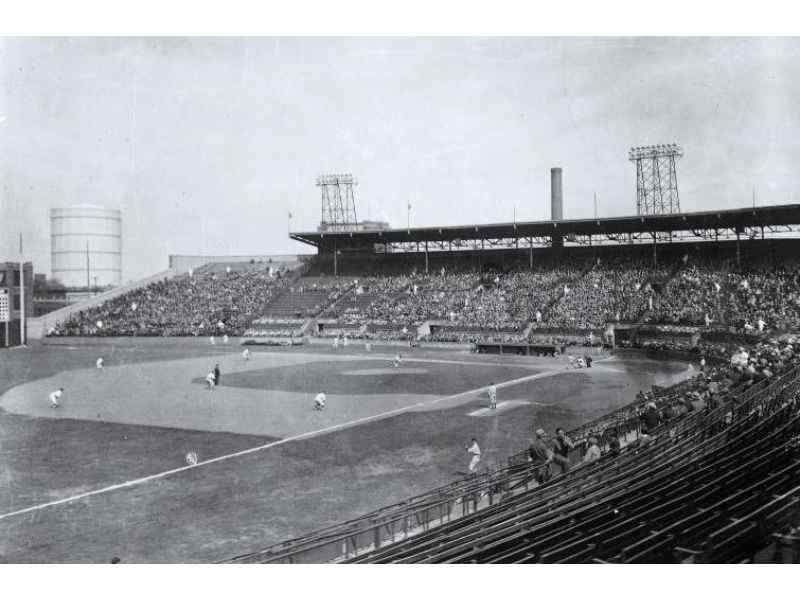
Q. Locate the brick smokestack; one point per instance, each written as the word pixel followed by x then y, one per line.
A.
pixel 556 195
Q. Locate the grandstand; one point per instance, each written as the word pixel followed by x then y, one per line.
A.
pixel 584 291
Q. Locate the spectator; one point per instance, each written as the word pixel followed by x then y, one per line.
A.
pixel 650 418
pixel 539 452
pixel 592 450
pixel 561 448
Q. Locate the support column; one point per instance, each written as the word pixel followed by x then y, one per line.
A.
pixel 738 251
pixel 531 253
pixel 335 260
pixel 655 255
pixel 426 258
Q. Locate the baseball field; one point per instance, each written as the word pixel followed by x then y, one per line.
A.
pixel 106 474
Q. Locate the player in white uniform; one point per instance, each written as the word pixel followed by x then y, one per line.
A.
pixel 319 401
pixel 492 393
pixel 210 380
pixel 212 340
pixel 225 339
pixel 475 451
pixel 397 360
pixel 336 342
pixel 99 363
pixel 246 354
pixel 55 397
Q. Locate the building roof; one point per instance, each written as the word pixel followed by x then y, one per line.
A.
pixel 738 219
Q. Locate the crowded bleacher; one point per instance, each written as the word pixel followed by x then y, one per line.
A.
pixel 575 293
pixel 204 303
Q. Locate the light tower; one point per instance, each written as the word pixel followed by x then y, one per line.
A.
pixel 656 178
pixel 338 202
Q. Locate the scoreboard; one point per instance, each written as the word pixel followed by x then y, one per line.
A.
pixel 5 312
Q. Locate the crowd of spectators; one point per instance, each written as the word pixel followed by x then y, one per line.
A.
pixel 718 367
pixel 720 370
pixel 196 304
pixel 757 297
pixel 554 297
pixel 611 291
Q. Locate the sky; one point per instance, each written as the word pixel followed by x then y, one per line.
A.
pixel 206 144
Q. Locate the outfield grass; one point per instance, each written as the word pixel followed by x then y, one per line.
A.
pixel 233 506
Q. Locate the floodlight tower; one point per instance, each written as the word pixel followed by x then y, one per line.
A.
pixel 338 202
pixel 656 178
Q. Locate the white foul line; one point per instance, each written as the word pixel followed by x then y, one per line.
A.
pixel 134 482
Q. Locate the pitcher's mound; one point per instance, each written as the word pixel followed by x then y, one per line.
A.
pixel 501 407
pixel 386 371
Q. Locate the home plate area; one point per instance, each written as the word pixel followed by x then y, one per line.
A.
pixel 501 407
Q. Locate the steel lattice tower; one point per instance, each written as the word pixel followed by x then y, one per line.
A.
pixel 338 202
pixel 656 179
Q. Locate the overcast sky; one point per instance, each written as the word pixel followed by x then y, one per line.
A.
pixel 206 144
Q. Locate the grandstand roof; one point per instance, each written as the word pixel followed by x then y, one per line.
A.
pixel 738 218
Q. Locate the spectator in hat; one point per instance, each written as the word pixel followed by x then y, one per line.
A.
pixel 650 417
pixel 592 450
pixel 561 447
pixel 539 452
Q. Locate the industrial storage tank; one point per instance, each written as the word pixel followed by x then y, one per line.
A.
pixel 86 246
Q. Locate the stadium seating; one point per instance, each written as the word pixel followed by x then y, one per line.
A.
pixel 563 298
pixel 204 304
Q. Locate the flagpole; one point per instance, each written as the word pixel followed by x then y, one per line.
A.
pixel 22 336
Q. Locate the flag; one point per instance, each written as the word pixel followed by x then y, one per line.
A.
pixel 290 214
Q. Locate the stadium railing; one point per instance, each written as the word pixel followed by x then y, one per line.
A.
pixel 518 523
